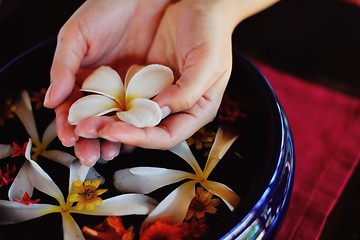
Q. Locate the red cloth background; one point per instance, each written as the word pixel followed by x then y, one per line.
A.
pixel 326 130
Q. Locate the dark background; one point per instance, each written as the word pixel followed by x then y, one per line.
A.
pixel 316 40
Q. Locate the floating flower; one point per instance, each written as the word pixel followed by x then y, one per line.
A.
pixel 18 151
pixel 202 139
pixel 163 230
pixel 202 203
pixel 175 205
pixel 21 183
pixel 111 229
pixel 130 100
pixel 86 194
pixel 14 212
pixel 234 107
pixel 26 199
pixel 5 178
pixel 25 114
pixel 197 228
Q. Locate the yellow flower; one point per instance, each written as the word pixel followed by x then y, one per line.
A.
pixel 13 212
pixel 86 194
pixel 201 204
pixel 202 139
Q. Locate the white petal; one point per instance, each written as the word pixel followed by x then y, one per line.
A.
pixel 222 143
pixel 131 72
pixel 58 156
pixel 121 205
pixel 78 172
pixel 40 179
pixel 49 134
pixel 105 81
pixel 21 183
pixel 224 192
pixel 183 151
pixel 175 205
pixel 91 105
pixel 6 150
pixel 141 112
pixel 15 212
pixel 149 81
pixel 93 174
pixel 147 179
pixel 71 229
pixel 24 112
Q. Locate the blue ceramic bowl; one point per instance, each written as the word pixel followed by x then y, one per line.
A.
pixel 261 172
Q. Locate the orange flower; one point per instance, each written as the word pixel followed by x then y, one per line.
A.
pixel 230 109
pixel 201 204
pixel 197 228
pixel 5 178
pixel 111 229
pixel 202 138
pixel 18 151
pixel 164 231
pixel 26 199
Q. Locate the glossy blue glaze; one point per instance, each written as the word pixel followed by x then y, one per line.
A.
pixel 266 216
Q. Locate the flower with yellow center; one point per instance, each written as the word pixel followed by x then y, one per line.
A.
pixel 12 212
pixel 86 194
pixel 175 205
pixel 201 204
pixel 131 99
pixel 22 183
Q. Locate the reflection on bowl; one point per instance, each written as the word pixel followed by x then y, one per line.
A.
pixel 259 167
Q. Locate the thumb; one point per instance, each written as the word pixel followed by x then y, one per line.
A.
pixel 191 86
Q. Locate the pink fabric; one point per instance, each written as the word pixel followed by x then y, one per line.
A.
pixel 326 132
pixel 355 2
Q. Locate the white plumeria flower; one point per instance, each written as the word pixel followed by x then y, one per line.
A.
pixel 175 205
pixel 21 182
pixel 26 116
pixel 12 212
pixel 130 100
pixel 6 150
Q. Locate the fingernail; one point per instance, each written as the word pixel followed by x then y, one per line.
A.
pixel 47 95
pixel 106 137
pixel 165 112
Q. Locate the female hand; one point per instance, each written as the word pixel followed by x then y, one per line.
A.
pixel 117 33
pixel 194 39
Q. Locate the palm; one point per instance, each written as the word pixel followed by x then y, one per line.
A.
pixel 197 46
pixel 108 32
pixel 115 35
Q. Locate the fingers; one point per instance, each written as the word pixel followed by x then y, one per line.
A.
pixel 109 150
pixel 66 131
pixel 203 67
pixel 171 131
pixel 87 151
pixel 70 50
pixel 89 128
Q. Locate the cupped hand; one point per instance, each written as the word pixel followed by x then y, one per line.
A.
pixel 194 39
pixel 117 33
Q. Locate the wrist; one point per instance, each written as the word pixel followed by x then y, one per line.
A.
pixel 235 11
